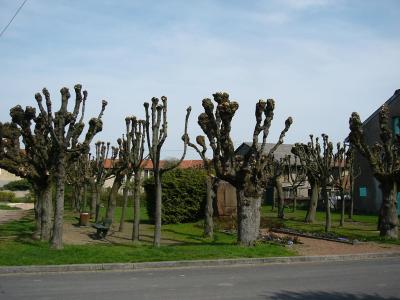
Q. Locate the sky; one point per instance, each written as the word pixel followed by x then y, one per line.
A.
pixel 319 59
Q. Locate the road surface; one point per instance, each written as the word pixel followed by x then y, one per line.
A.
pixel 372 279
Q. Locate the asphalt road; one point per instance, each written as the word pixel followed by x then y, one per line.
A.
pixel 372 279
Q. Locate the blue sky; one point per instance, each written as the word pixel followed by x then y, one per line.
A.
pixel 319 59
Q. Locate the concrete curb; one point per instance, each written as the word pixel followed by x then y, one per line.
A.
pixel 190 263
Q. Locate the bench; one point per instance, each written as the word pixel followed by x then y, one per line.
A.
pixel 102 228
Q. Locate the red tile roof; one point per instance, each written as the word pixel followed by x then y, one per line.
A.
pixel 148 165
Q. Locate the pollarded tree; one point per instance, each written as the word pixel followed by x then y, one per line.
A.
pixel 296 175
pixel 78 176
pixel 136 130
pixel 354 173
pixel 276 172
pixel 248 173
pixel 98 174
pixel 64 130
pixel 133 158
pixel 208 166
pixel 156 135
pixel 340 176
pixel 318 161
pixel 384 160
pixel 126 162
pixel 31 163
pixel 117 170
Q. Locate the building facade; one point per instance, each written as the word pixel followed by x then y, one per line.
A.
pixel 367 193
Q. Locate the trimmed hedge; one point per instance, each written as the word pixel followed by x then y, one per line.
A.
pixel 7 196
pixel 17 185
pixel 183 196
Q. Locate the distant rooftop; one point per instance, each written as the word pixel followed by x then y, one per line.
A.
pixel 148 165
pixel 281 152
pixel 396 96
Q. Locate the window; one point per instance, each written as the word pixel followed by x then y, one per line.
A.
pixel 363 191
pixel 398 203
pixel 396 125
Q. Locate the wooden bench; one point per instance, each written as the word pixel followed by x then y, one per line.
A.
pixel 102 228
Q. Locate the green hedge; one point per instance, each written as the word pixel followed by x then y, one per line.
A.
pixel 7 196
pixel 183 196
pixel 17 185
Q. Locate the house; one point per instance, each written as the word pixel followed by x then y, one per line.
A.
pixel 367 194
pixel 147 165
pixel 280 153
pixel 226 193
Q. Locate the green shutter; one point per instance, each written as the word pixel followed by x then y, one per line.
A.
pixel 363 191
pixel 398 203
pixel 396 125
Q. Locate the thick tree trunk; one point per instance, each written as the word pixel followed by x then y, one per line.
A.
pixel 312 208
pixel 112 197
pixel 136 207
pixel 157 215
pixel 389 221
pixel 208 213
pixel 124 205
pixel 56 240
pixel 328 221
pixel 281 198
pixel 248 218
pixel 46 211
pixel 343 208
pixel 38 215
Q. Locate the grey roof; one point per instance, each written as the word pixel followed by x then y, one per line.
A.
pixel 389 102
pixel 396 96
pixel 281 152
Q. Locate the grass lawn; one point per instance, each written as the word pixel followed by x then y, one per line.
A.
pixel 16 247
pixel 362 227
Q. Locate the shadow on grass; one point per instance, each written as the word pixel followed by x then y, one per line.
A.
pixel 200 239
pixel 18 229
pixel 286 295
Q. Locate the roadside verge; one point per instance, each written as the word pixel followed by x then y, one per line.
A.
pixel 189 263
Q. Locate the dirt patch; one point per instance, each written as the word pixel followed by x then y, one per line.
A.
pixel 12 215
pixel 320 247
pixel 74 234
pixel 310 246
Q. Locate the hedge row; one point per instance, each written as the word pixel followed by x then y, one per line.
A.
pixel 183 196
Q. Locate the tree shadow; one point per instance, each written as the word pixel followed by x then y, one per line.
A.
pixel 199 239
pixel 311 295
pixel 18 229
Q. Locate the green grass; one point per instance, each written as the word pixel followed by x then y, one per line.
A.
pixel 144 218
pixel 6 207
pixel 362 227
pixel 16 247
